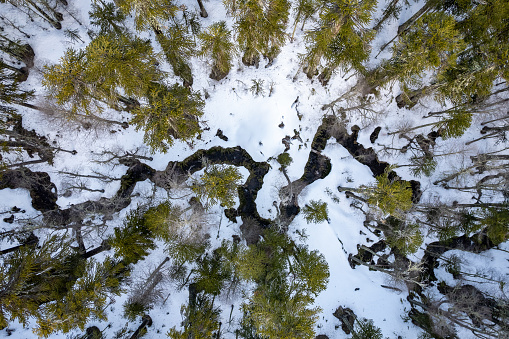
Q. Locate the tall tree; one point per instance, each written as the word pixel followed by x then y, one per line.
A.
pixel 172 113
pixel 260 28
pixel 341 36
pixel 431 44
pixel 109 69
pixel 216 44
pixel 178 46
pixel 149 15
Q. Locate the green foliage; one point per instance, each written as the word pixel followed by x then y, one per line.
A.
pixel 201 320
pixel 218 185
pixel 30 277
pixel 404 236
pixel 284 159
pixel 108 69
pixel 431 44
pixel 311 271
pixel 288 277
pixel 484 26
pixel 341 36
pixel 257 87
pixel 424 164
pixel 252 262
pixel 260 28
pixel 107 17
pixel 315 212
pixel 216 44
pixel 455 124
pixel 87 298
pixel 496 221
pixel 286 317
pixel 134 309
pixel 178 46
pixel 392 197
pixel 211 274
pixel 161 220
pixel 133 241
pixel 172 113
pixel 149 14
pixel 365 329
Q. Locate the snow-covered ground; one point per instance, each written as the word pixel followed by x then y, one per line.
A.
pixel 252 122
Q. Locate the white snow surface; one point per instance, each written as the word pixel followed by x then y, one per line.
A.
pixel 252 123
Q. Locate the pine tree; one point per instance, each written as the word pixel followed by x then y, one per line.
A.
pixel 484 27
pixel 107 17
pixel 392 197
pixel 341 36
pixel 201 320
pixel 248 16
pixel 216 45
pixel 496 221
pixel 149 15
pixel 133 241
pixel 274 28
pixel 431 44
pixel 303 10
pixel 365 329
pixel 110 68
pixel 85 299
pixel 172 113
pixel 27 280
pixel 218 185
pixel 286 316
pixel 260 28
pixel 178 46
pixel 315 212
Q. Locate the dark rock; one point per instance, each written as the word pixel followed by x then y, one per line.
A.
pixel 221 136
pixel 281 125
pixel 375 134
pixel 10 219
pixel 347 318
pixel 93 332
pixel 321 336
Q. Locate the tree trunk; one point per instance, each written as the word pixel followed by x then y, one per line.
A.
pixel 389 10
pixel 424 9
pixel 203 11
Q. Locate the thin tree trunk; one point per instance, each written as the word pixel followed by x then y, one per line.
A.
pixel 424 9
pixel 386 15
pixel 203 11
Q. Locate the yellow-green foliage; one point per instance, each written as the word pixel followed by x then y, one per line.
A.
pixel 133 241
pixel 149 14
pixel 252 263
pixel 218 185
pixel 85 299
pixel 315 211
pixel 172 113
pixel 432 44
pixel 201 320
pixel 392 197
pixel 286 318
pixel 110 67
pixel 216 44
pixel 405 237
pixel 496 221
